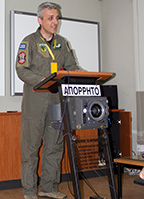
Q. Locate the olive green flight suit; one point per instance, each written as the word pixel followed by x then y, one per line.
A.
pixel 33 64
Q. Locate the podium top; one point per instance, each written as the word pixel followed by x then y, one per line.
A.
pixel 49 84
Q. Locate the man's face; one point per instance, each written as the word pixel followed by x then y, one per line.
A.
pixel 50 21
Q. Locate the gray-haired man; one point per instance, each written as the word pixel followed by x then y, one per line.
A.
pixel 36 56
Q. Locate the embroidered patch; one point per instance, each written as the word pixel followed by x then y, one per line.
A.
pixel 58 46
pixel 43 47
pixel 22 46
pixel 21 58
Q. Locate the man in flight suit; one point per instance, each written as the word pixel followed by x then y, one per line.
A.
pixel 37 52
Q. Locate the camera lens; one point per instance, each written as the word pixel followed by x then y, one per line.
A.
pixel 96 110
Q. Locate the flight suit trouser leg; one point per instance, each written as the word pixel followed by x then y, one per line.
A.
pixel 31 135
pixel 51 159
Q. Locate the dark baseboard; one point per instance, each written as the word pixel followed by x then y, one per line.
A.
pixel 14 184
pixel 85 174
pixel 10 184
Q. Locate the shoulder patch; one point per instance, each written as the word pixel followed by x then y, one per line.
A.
pixel 22 57
pixel 22 46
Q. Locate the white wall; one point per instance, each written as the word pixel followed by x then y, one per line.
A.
pixel 139 69
pixel 2 49
pixel 118 52
pixel 139 43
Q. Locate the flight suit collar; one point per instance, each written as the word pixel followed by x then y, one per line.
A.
pixel 40 35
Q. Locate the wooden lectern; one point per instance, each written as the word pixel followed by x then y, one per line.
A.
pixel 53 84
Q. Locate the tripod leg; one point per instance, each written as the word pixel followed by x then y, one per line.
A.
pixel 119 182
pixel 73 167
pixel 108 159
pixel 70 147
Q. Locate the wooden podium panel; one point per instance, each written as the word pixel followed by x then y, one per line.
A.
pixel 125 134
pixel 16 146
pixel 48 82
pixel 6 148
pixel 86 150
pixel 10 154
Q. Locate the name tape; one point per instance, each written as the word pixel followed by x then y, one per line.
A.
pixel 80 90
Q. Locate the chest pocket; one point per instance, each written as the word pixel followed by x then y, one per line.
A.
pixel 43 50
